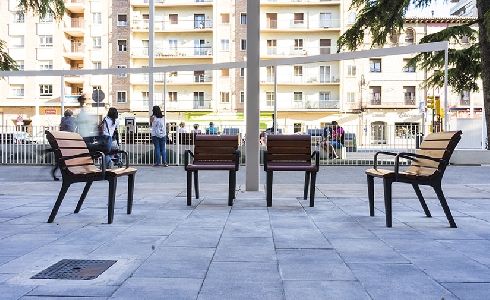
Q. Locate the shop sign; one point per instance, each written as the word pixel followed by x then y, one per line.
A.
pixel 50 111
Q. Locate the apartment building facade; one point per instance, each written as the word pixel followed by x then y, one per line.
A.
pixel 372 95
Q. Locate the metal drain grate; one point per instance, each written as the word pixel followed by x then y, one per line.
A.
pixel 75 269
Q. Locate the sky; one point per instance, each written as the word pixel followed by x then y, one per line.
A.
pixel 440 8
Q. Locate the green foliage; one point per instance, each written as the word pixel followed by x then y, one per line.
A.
pixel 379 18
pixel 38 7
pixel 44 7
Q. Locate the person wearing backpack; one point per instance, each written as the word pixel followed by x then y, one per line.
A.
pixel 158 136
pixel 109 124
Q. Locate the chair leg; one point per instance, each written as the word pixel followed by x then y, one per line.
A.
pixel 88 184
pixel 421 199
pixel 370 184
pixel 130 193
pixel 388 200
pixel 196 183
pixel 445 207
pixel 64 188
pixel 269 188
pixel 312 191
pixel 112 199
pixel 231 189
pixel 189 187
pixel 307 183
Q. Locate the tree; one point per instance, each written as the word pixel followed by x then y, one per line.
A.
pixel 466 66
pixel 36 7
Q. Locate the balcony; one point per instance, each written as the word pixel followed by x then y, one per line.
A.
pixel 180 79
pixel 292 105
pixel 74 78
pixel 75 6
pixel 301 25
pixel 173 26
pixel 295 2
pixel 163 3
pixel 74 50
pixel 74 26
pixel 180 105
pixel 274 52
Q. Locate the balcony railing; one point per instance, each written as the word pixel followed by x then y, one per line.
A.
pixel 295 51
pixel 181 78
pixel 170 25
pixel 301 24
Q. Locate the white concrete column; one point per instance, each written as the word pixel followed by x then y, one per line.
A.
pixel 252 103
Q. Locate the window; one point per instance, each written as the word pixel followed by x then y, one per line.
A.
pixel 464 39
pixel 269 98
pixel 198 100
pixel 20 65
pixel 199 21
pixel 351 97
pixel 325 46
pixel 243 18
pixel 48 18
pixel 243 44
pixel 409 36
pixel 19 17
pixel 121 97
pixel 122 74
pixel 394 37
pixel 465 98
pixel 351 70
pixel 351 18
pixel 46 65
pixel 408 69
pixel 122 20
pixel 271 47
pixel 299 18
pixel 375 95
pixel 173 18
pixel 145 95
pixel 172 96
pixel 375 65
pixel 46 90
pixel 297 127
pixel 242 72
pixel 97 18
pixel 325 19
pixel 224 97
pixel 96 65
pixel 298 44
pixel 409 95
pixel 45 41
pixel 198 76
pixel 298 96
pixel 97 42
pixel 17 41
pixel 225 72
pixel 17 90
pixel 298 71
pixel 225 18
pixel 270 71
pixel 242 97
pixel 121 45
pixel 225 45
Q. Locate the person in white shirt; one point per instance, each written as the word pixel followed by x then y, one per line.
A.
pixel 182 127
pixel 158 136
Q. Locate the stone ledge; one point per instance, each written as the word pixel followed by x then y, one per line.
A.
pixel 470 157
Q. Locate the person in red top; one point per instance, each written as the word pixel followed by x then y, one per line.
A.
pixel 337 135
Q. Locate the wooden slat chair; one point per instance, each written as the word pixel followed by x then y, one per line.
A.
pixel 77 165
pixel 291 152
pixel 212 152
pixel 427 168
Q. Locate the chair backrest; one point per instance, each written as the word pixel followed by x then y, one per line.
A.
pixel 215 148
pixel 65 144
pixel 289 148
pixel 436 145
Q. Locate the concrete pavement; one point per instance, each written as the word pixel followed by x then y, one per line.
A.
pixel 167 250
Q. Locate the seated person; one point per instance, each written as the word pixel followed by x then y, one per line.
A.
pixel 327 143
pixel 337 135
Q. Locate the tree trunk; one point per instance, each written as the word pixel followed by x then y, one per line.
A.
pixel 484 41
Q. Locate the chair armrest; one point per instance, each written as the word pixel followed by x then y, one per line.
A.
pixel 265 160
pixel 375 165
pixel 316 155
pixel 187 155
pixel 414 156
pixel 237 160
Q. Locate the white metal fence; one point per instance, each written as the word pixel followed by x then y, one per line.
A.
pixel 28 145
